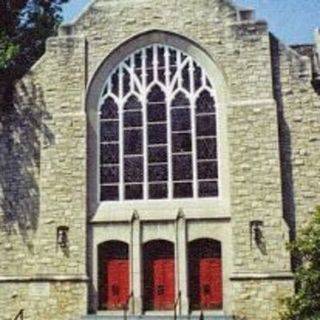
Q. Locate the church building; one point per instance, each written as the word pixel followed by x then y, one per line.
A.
pixel 156 162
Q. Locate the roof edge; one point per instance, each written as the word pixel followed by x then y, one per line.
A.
pixel 243 14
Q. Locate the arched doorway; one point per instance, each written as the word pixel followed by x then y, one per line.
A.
pixel 158 272
pixel 205 274
pixel 113 271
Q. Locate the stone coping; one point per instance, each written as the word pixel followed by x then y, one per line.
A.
pixel 252 103
pixel 45 278
pixel 278 275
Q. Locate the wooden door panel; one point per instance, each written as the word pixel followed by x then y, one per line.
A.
pixel 163 284
pixel 117 283
pixel 210 283
pixel 159 284
pixel 169 284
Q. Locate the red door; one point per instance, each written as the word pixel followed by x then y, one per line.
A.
pixel 116 283
pixel 159 278
pixel 205 274
pixel 210 283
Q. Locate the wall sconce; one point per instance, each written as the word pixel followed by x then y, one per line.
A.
pixel 257 235
pixel 62 238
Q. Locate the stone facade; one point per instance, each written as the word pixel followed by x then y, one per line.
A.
pixel 269 134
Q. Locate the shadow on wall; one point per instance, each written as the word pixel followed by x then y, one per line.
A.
pixel 21 133
pixel 289 210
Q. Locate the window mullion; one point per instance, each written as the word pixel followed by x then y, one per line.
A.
pixel 179 69
pixel 121 137
pixel 193 130
pixel 155 62
pixel 203 79
pixel 131 72
pixel 168 109
pixel 145 124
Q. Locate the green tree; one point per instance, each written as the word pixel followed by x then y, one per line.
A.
pixel 305 304
pixel 24 27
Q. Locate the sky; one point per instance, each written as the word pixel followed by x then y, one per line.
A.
pixel 292 21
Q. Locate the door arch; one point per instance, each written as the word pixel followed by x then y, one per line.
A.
pixel 113 283
pixel 205 274
pixel 159 275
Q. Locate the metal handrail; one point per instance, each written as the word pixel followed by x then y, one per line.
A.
pixel 126 306
pixel 20 315
pixel 176 303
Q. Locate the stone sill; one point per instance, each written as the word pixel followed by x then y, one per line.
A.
pixel 160 210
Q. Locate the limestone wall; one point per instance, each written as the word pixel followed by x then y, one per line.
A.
pixel 260 299
pixel 299 116
pixel 42 145
pixel 41 300
pixel 43 184
pixel 19 179
pixel 256 188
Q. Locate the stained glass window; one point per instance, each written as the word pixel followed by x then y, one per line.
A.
pixel 158 132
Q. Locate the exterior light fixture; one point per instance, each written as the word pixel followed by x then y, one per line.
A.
pixel 257 235
pixel 62 238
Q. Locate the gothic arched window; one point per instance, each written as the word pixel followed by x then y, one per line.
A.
pixel 158 137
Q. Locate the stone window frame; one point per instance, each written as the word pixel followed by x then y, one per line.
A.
pixel 202 207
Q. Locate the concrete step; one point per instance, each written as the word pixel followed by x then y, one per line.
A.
pixel 155 317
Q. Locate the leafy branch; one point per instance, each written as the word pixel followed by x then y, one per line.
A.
pixel 305 304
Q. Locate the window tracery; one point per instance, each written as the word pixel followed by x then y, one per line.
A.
pixel 158 137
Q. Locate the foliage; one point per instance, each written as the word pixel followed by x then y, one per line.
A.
pixel 8 50
pixel 305 304
pixel 24 27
